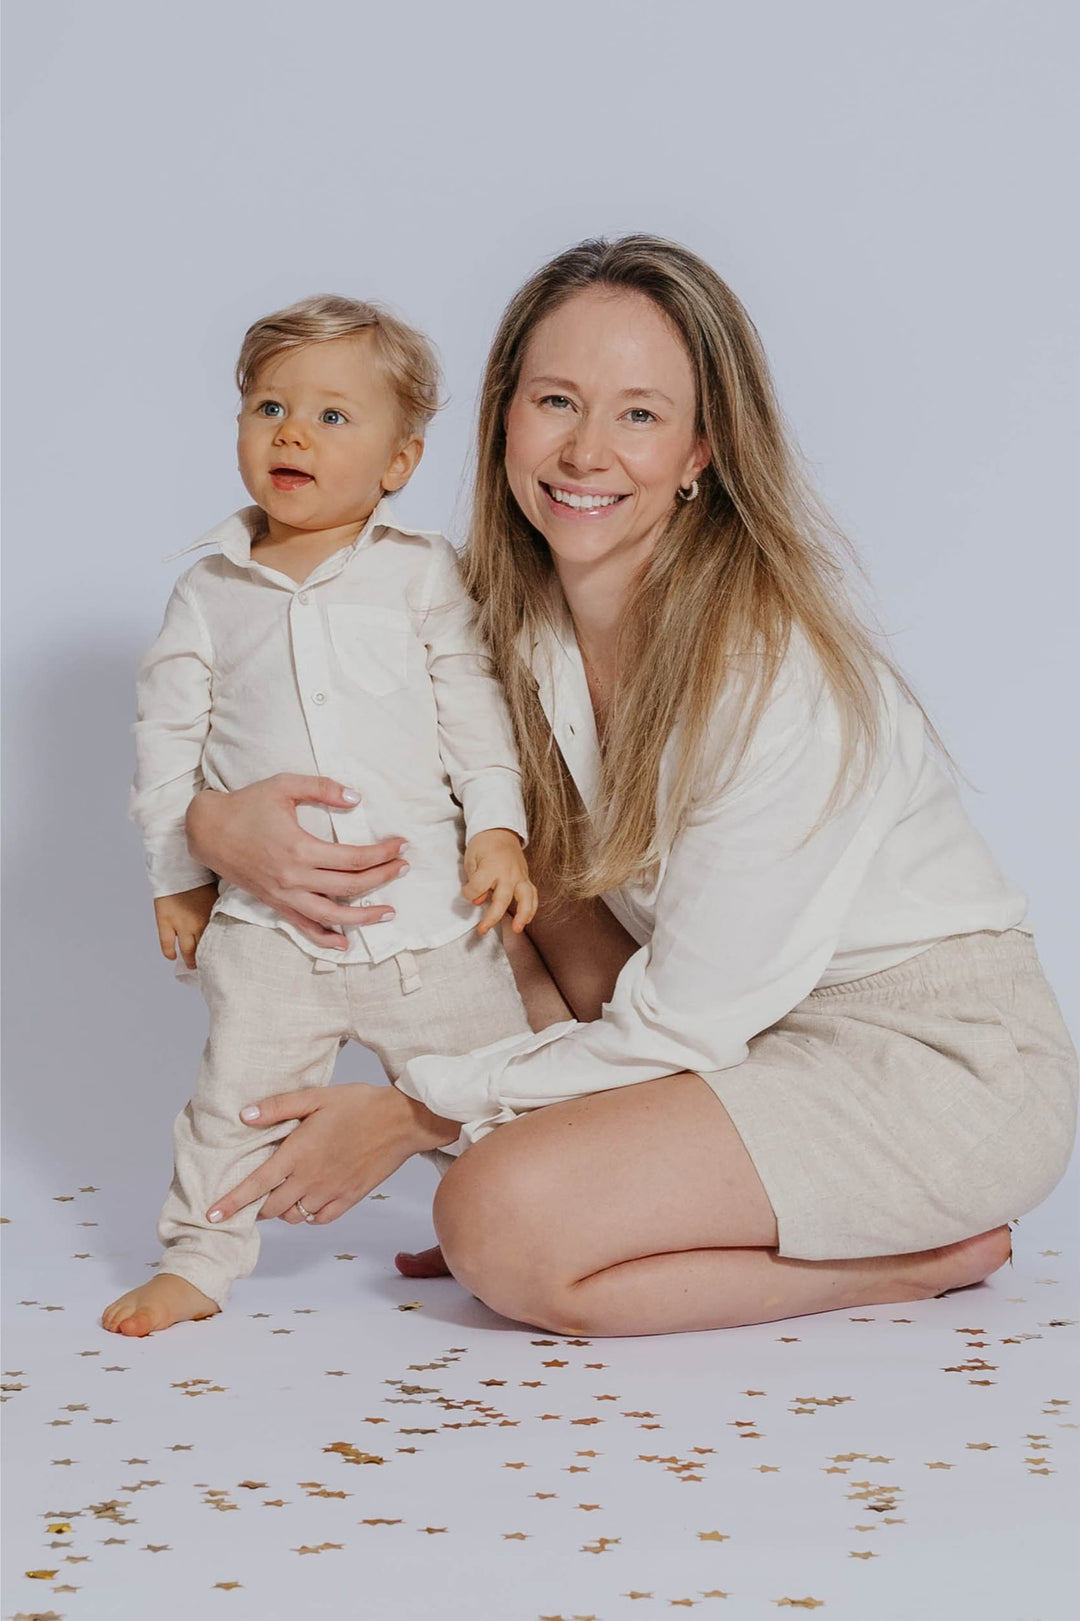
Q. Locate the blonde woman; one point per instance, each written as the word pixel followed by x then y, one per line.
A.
pixel 792 1046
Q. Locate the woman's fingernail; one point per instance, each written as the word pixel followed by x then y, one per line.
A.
pixel 214 1215
pixel 250 1113
pixel 386 916
pixel 403 868
pixel 351 795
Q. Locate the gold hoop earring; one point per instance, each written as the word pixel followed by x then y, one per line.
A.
pixel 690 495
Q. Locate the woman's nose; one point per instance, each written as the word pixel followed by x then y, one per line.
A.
pixel 585 448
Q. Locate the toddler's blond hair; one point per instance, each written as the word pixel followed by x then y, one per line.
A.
pixel 408 358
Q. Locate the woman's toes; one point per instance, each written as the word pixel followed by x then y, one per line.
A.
pixel 427 1263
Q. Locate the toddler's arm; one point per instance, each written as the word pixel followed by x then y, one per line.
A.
pixel 476 739
pixel 173 691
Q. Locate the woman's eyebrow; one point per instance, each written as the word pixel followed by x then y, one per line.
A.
pixel 625 394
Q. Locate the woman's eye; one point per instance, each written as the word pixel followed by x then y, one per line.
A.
pixel 269 408
pixel 558 400
pixel 639 414
pixel 332 416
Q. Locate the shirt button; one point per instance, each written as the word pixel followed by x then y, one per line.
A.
pixel 302 596
pixel 318 697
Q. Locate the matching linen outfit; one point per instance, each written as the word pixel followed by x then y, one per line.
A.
pixel 368 672
pixel 864 998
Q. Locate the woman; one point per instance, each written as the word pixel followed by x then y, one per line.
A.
pixel 793 1047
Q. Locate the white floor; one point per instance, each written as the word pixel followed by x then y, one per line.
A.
pixel 318 1451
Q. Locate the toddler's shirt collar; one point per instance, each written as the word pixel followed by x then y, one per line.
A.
pixel 234 535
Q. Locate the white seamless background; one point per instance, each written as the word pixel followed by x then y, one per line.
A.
pixel 889 189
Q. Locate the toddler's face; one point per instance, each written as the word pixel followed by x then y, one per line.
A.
pixel 320 437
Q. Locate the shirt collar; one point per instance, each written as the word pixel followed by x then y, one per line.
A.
pixel 233 537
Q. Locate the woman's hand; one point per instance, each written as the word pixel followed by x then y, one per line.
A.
pixel 350 1138
pixel 253 839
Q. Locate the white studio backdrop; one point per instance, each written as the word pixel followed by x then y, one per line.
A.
pixel 888 187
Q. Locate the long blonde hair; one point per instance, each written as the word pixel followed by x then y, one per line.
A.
pixel 730 575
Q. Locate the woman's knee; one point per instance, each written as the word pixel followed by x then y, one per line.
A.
pixel 488 1214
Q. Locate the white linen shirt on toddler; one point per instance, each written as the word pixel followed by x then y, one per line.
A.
pixel 752 907
pixel 369 672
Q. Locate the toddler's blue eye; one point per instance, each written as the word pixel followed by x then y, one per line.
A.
pixel 331 413
pixel 269 407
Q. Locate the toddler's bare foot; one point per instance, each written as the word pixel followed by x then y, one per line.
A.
pixel 157 1304
pixel 422 1263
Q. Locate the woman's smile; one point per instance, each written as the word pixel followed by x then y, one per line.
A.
pixel 574 502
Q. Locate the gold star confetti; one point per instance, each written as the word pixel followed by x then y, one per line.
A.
pixel 227 1587
pixel 799 1603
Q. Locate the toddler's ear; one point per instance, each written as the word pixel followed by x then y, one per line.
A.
pixel 403 464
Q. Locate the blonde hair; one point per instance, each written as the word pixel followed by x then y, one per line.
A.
pixel 408 358
pixel 710 613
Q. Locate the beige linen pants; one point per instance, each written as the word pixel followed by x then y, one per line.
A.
pixel 278 1019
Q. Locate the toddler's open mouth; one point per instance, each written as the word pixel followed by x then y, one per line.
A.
pixel 289 478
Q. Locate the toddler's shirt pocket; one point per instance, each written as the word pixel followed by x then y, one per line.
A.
pixel 371 645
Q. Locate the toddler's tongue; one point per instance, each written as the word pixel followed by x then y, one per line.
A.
pixel 287 478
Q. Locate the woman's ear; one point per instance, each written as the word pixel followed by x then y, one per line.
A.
pixel 697 463
pixel 402 465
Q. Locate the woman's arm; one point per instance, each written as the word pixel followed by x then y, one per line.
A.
pixel 747 916
pixel 251 837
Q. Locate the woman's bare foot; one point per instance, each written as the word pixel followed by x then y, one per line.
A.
pixel 422 1263
pixel 973 1259
pixel 157 1304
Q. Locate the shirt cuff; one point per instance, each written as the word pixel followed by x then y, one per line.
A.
pixel 466 1088
pixel 495 802
pixel 171 875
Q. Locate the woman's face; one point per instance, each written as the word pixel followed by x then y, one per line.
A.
pixel 601 430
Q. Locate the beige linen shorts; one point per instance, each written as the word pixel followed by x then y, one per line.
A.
pixel 914 1107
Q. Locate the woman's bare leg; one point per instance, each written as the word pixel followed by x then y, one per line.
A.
pixel 639 1211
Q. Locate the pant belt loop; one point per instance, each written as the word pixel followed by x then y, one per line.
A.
pixel 410 973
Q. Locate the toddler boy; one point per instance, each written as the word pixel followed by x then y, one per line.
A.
pixel 322 637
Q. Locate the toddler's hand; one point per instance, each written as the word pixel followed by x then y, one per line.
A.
pixel 181 920
pixel 495 865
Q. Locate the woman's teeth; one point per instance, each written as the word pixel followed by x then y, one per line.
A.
pixel 568 500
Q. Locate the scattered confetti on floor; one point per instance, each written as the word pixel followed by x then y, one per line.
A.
pixel 347 1442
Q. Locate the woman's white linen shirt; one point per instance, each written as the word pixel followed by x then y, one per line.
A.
pixel 748 914
pixel 369 672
